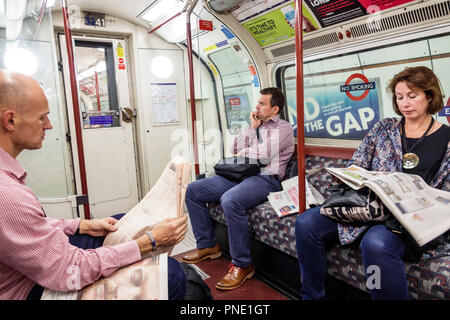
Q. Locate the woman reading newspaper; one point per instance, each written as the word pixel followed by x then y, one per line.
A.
pixel 415 144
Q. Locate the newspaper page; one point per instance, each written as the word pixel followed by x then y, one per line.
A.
pixel 164 200
pixel 143 280
pixel 424 211
pixel 286 202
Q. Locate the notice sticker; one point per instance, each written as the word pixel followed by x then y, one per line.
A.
pixel 120 50
pixel 205 25
pixel 121 66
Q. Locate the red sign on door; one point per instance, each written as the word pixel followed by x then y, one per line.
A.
pixel 205 25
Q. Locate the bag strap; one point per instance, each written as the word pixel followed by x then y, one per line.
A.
pixel 258 135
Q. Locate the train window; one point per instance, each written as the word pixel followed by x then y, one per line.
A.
pixel 345 95
pixel 48 168
pixel 238 84
pixel 97 86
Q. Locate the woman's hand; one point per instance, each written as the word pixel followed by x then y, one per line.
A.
pixel 98 227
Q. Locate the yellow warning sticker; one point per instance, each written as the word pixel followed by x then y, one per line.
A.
pixel 120 50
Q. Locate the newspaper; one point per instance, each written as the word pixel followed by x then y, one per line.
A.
pixel 164 200
pixel 143 280
pixel 286 202
pixel 424 211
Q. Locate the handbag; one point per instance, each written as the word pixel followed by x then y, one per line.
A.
pixel 348 205
pixel 238 168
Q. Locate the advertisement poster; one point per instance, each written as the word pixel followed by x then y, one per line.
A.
pixel 278 25
pixel 329 12
pixel 238 111
pixel 344 110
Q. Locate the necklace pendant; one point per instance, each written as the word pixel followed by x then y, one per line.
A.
pixel 410 160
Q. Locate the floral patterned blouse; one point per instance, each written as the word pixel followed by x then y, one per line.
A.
pixel 381 150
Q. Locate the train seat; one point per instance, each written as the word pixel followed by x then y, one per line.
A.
pixel 428 279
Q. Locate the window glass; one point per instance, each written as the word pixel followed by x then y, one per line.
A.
pixel 47 173
pixel 240 85
pixel 346 95
pixel 97 86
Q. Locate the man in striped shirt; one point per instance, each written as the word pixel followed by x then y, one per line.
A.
pixel 274 147
pixel 35 252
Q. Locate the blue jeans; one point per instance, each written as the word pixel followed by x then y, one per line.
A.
pixel 381 250
pixel 176 276
pixel 235 199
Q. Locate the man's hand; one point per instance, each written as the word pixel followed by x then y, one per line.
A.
pixel 166 233
pixel 254 120
pixel 98 227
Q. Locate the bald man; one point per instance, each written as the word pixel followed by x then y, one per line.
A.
pixel 35 252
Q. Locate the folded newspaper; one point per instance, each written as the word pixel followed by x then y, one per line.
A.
pixel 424 211
pixel 286 202
pixel 164 200
pixel 143 280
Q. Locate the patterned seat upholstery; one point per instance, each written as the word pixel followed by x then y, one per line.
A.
pixel 428 279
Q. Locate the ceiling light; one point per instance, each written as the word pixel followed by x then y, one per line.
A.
pixel 158 11
pixel 162 67
pixel 20 60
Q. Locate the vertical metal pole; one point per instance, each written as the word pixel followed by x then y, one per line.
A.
pixel 191 85
pixel 76 107
pixel 97 92
pixel 300 105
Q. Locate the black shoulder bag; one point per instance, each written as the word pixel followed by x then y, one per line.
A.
pixel 238 168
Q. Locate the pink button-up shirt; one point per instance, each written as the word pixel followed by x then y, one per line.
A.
pixel 277 145
pixel 35 248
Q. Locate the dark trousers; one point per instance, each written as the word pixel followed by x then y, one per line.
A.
pixel 235 199
pixel 176 277
pixel 381 249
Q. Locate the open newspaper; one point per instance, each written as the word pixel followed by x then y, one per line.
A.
pixel 424 211
pixel 143 280
pixel 286 202
pixel 164 200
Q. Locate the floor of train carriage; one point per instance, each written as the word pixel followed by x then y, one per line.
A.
pixel 212 270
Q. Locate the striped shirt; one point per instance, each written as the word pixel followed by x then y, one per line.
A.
pixel 276 144
pixel 35 248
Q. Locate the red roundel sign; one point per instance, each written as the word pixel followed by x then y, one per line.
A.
pixel 364 79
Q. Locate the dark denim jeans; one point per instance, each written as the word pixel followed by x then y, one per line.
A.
pixel 235 199
pixel 382 253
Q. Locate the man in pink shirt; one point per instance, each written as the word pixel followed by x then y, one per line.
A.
pixel 35 252
pixel 274 147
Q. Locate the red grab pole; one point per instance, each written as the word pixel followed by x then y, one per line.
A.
pixel 191 85
pixel 76 107
pixel 300 105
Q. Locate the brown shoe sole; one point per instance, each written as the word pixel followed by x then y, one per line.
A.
pixel 211 256
pixel 239 284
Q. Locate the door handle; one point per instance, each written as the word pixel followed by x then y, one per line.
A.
pixel 127 114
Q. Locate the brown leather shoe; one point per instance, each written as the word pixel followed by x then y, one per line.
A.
pixel 235 277
pixel 203 254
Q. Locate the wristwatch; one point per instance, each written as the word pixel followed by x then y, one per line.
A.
pixel 152 240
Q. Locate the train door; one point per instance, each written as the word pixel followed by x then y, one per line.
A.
pixel 106 120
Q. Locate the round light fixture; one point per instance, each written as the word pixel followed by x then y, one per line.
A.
pixel 162 67
pixel 20 60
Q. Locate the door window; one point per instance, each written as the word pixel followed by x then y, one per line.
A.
pixel 96 84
